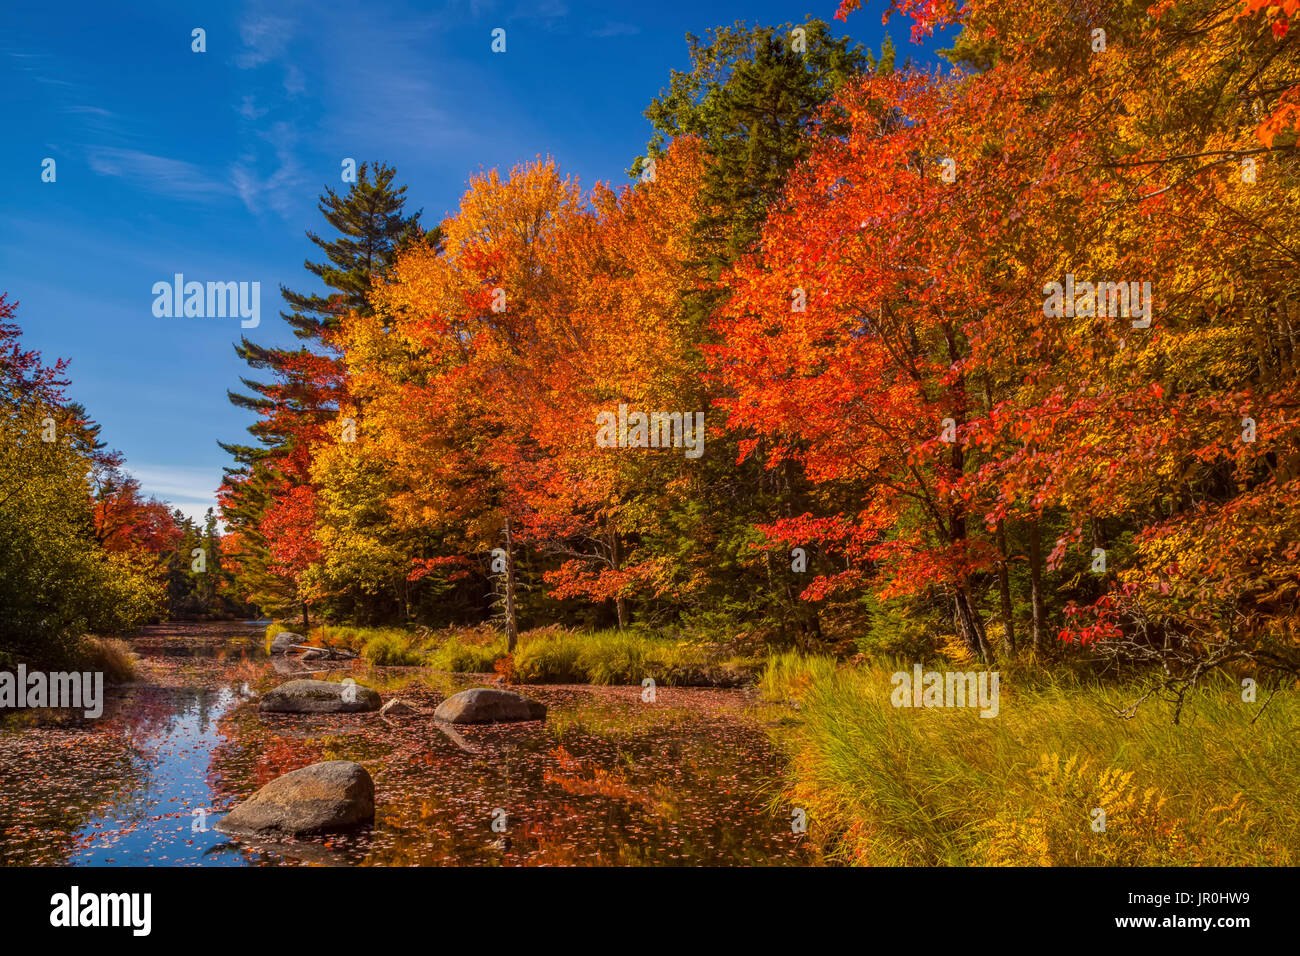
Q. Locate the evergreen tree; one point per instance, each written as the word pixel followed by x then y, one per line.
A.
pixel 306 383
pixel 372 229
pixel 751 95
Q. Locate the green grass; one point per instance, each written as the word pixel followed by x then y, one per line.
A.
pixel 904 786
pixel 547 655
pixel 622 657
pixel 391 650
pixel 461 656
pixel 787 676
pixel 378 646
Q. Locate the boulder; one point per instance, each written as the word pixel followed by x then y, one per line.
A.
pixel 486 705
pixel 283 642
pixel 318 697
pixel 396 708
pixel 334 795
pixel 315 654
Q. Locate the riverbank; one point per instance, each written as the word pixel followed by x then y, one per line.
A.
pixel 554 655
pixel 886 785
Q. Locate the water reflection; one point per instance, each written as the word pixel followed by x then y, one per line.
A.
pixel 167 817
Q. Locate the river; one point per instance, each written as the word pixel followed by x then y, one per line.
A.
pixel 607 779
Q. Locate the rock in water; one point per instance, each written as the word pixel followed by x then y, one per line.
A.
pixel 333 795
pixel 285 640
pixel 396 708
pixel 485 705
pixel 318 697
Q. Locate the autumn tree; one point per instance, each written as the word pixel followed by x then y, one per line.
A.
pixel 57 580
pixel 262 495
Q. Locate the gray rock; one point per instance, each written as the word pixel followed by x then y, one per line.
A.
pixel 486 705
pixel 396 708
pixel 284 641
pixel 318 697
pixel 327 654
pixel 334 795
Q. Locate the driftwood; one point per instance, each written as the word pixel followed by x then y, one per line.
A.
pixel 455 737
pixel 331 653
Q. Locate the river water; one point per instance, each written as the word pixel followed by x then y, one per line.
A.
pixel 691 778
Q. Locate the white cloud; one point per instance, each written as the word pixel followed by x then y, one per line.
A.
pixel 547 11
pixel 294 82
pixel 278 189
pixel 265 37
pixel 190 489
pixel 88 110
pixel 172 177
pixel 249 109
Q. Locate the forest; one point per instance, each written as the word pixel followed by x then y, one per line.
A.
pixel 846 269
pixel 867 366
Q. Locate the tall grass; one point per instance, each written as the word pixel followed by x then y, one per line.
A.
pixel 378 646
pixel 460 655
pixel 546 655
pixel 111 656
pixel 621 657
pixel 923 786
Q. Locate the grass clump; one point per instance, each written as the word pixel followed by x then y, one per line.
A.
pixel 885 785
pixel 458 655
pixel 789 675
pixel 546 655
pixel 622 657
pixel 391 650
pixel 111 656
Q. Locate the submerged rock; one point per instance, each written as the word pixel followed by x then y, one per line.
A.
pixel 396 708
pixel 284 641
pixel 318 697
pixel 486 705
pixel 287 665
pixel 333 795
pixel 327 654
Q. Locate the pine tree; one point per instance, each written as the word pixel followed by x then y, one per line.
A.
pixel 752 94
pixel 306 386
pixel 372 230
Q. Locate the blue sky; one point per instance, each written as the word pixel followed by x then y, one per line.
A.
pixel 209 164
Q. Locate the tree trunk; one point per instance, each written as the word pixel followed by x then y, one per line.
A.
pixel 1036 585
pixel 986 649
pixel 1004 588
pixel 620 602
pixel 512 624
pixel 972 627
